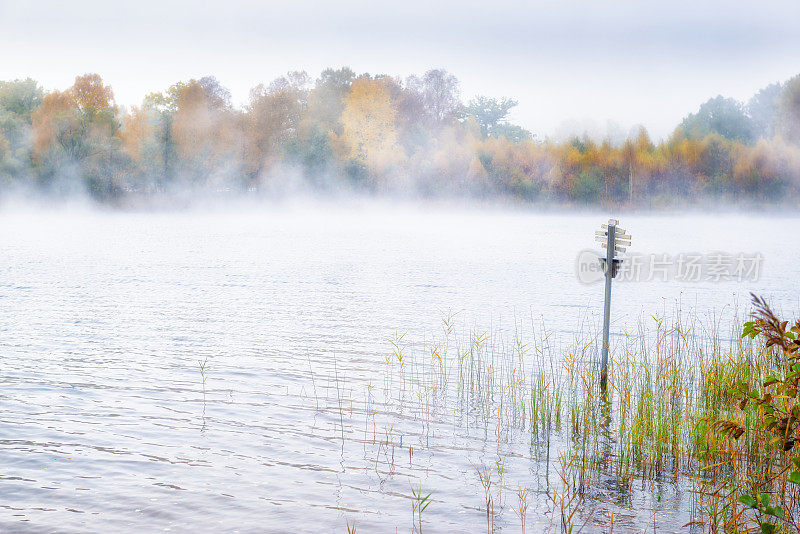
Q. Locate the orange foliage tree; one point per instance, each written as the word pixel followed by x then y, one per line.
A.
pixel 78 129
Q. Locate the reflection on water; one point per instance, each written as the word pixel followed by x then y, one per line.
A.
pixel 108 422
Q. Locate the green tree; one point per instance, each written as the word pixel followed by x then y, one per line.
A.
pixel 489 113
pixel 790 110
pixel 512 132
pixel 763 109
pixel 588 186
pixel 723 116
pixel 326 99
pixel 18 100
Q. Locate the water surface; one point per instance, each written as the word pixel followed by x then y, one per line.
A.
pixel 106 423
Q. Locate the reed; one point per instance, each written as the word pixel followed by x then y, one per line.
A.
pixel 419 503
pixel 670 380
pixel 522 505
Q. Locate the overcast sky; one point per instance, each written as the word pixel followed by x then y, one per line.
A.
pixel 571 64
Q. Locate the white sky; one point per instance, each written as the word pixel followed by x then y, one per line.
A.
pixel 571 64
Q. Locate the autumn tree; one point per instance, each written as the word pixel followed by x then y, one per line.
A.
pixel 272 120
pixel 642 162
pixel 198 132
pixel 768 170
pixel 437 92
pixel 142 141
pixel 716 159
pixel 78 128
pixel 517 169
pixel 310 146
pixel 79 121
pixel 369 143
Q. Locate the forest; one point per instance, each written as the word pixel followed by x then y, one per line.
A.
pixel 346 133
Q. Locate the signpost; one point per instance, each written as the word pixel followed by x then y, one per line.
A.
pixel 614 240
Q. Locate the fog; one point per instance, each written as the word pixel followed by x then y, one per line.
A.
pixel 342 134
pixel 270 266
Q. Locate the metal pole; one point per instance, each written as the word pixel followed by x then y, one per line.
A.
pixel 609 268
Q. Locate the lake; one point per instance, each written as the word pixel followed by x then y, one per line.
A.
pixel 108 423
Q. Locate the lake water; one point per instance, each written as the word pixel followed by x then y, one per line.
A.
pixel 107 424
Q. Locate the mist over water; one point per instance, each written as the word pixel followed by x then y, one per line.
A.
pixel 412 137
pixel 299 268
pixel 106 423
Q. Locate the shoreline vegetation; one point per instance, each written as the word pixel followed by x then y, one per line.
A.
pixel 345 133
pixel 686 406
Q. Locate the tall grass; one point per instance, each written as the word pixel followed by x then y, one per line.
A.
pixel 668 382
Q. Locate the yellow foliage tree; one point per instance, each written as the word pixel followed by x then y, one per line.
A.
pixel 369 126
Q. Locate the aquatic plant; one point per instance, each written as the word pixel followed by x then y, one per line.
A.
pixel 203 366
pixel 522 505
pixel 485 476
pixel 672 383
pixel 419 503
pixel 775 427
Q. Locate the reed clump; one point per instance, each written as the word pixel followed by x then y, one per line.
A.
pixel 672 411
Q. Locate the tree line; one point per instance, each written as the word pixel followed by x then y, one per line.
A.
pixel 381 134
